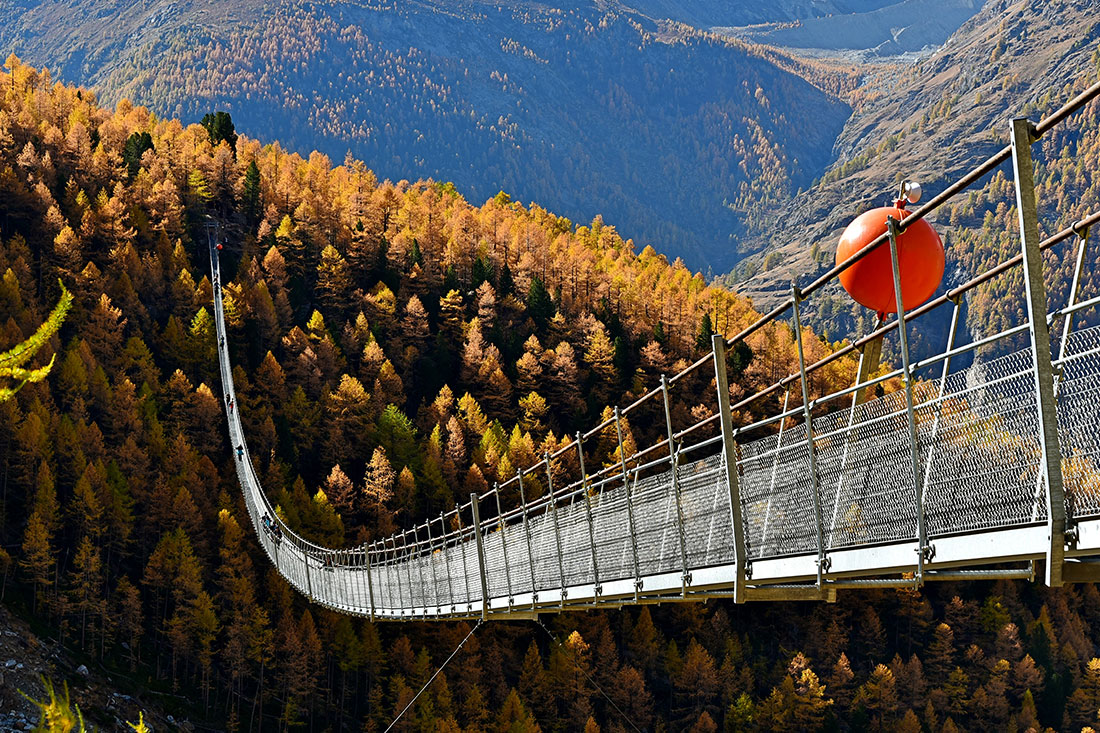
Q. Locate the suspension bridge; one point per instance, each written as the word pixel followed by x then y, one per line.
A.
pixel 991 470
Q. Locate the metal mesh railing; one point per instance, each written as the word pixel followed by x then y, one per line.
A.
pixel 1079 422
pixel 853 478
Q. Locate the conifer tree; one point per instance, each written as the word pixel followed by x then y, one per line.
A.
pixel 85 585
pixel 38 558
pixel 878 696
pixel 136 145
pixel 703 337
pixel 695 685
pixel 219 127
pixel 251 203
pixel 128 611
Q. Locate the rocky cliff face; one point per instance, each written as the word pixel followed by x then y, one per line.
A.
pixel 107 699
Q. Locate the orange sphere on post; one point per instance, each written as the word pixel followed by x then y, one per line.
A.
pixel 870 281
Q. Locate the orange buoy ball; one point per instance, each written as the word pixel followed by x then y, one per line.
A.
pixel 870 281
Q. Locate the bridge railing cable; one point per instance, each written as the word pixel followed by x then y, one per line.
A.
pixel 735 482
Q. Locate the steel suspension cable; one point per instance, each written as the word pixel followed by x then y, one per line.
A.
pixel 434 675
pixel 583 671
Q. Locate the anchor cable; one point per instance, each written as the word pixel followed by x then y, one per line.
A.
pixel 585 673
pixel 432 678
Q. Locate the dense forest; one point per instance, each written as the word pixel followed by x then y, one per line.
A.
pixel 397 346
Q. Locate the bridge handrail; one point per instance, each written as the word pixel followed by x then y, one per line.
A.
pixel 378 552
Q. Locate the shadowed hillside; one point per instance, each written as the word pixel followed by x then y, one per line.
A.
pixel 684 138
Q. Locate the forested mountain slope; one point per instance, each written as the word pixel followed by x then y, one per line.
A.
pixel 681 137
pixel 397 347
pixel 351 302
pixel 1011 59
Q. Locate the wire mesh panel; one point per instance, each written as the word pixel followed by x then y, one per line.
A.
pixel 544 544
pixel 866 472
pixel 1079 423
pixel 706 501
pixel 658 525
pixel 776 494
pixel 495 574
pixel 575 543
pixel 985 462
pixel 761 471
pixel 614 548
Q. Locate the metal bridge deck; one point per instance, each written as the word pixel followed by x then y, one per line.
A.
pixel 663 530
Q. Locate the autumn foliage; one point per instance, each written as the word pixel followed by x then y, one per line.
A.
pixel 397 347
